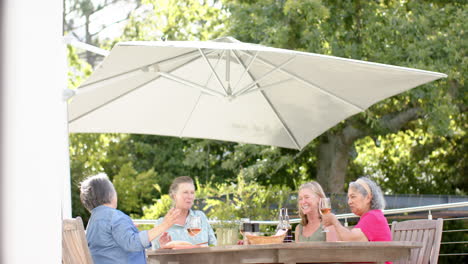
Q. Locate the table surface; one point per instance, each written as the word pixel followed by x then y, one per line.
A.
pixel 289 253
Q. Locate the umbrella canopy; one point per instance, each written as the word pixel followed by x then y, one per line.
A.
pixel 230 90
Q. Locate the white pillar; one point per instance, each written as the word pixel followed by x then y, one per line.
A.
pixel 33 135
pixel 66 176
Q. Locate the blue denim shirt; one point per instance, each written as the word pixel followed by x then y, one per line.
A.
pixel 178 232
pixel 114 239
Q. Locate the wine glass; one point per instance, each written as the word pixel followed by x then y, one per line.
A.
pixel 325 208
pixel 194 225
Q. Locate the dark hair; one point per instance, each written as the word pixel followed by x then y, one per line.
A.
pixel 176 182
pixel 95 191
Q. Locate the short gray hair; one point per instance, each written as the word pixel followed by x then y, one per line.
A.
pixel 96 190
pixel 176 182
pixel 378 200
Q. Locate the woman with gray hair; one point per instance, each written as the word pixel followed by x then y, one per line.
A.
pixel 365 200
pixel 182 193
pixel 112 237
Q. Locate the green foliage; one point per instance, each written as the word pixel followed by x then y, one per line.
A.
pixel 87 154
pixel 163 155
pixel 286 24
pixel 160 208
pixel 230 200
pixel 243 199
pixel 85 151
pixel 222 161
pixel 176 20
pixel 419 161
pixel 427 35
pixel 78 70
pixel 205 159
pixel 427 155
pixel 133 188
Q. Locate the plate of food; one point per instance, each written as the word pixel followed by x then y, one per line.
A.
pixel 181 245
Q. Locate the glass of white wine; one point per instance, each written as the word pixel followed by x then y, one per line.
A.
pixel 325 208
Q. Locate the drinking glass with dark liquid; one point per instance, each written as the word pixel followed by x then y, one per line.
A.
pixel 194 225
pixel 325 208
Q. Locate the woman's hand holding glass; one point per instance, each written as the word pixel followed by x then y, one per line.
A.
pixel 325 208
pixel 329 219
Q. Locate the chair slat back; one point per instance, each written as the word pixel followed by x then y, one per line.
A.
pixel 74 245
pixel 429 232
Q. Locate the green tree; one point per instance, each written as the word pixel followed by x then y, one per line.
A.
pixel 87 154
pixel 415 139
pixel 175 20
pixel 421 34
pixel 79 20
pixel 419 161
pixel 134 189
pixel 231 201
pixel 159 158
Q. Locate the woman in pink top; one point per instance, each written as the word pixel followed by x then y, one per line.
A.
pixel 366 200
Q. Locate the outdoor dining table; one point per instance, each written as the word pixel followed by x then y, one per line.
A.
pixel 288 253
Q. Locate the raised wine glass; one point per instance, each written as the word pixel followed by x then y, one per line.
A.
pixel 325 208
pixel 194 225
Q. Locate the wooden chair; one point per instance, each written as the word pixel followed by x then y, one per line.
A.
pixel 74 245
pixel 429 232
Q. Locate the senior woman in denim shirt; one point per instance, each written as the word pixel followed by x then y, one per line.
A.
pixel 112 237
pixel 182 192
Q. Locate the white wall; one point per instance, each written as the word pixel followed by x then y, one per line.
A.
pixel 34 157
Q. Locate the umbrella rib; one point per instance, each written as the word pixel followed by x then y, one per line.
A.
pixel 106 81
pixel 212 70
pixel 246 69
pixel 110 101
pixel 191 84
pixel 267 86
pixel 139 86
pixel 129 72
pixel 216 66
pixel 276 68
pixel 191 113
pixel 228 72
pixel 283 123
pixel 317 87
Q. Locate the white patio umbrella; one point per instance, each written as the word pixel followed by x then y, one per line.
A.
pixel 232 91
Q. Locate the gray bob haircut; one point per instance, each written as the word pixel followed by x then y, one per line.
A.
pixel 378 200
pixel 96 190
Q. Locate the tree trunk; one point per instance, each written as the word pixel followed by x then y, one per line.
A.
pixel 335 148
pixel 333 158
pixel 332 163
